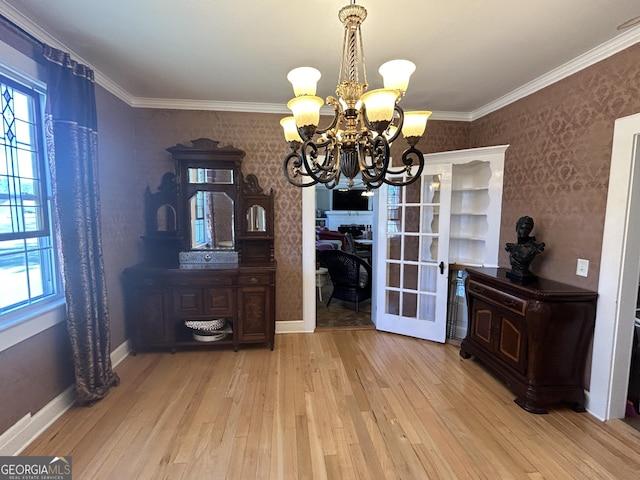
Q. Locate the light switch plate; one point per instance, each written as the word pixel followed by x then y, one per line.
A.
pixel 583 267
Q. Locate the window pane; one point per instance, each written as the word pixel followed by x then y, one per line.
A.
pixel 27 254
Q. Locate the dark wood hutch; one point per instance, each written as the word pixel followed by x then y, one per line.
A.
pixel 209 255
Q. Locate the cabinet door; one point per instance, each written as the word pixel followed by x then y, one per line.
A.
pixel 255 323
pixel 482 328
pixel 150 318
pixel 188 301
pixel 219 302
pixel 512 342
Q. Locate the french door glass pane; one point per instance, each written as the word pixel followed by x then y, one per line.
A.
pixel 409 305
pixel 427 307
pixel 411 248
pixel 393 275
pixel 393 302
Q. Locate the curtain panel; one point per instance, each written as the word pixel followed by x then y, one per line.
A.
pixel 71 135
pixel 72 141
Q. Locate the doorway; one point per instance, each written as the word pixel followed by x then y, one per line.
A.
pixel 619 272
pixel 348 214
pixel 310 292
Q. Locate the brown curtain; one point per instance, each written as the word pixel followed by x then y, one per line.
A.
pixel 72 137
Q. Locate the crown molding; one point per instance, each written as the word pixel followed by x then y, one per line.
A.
pixel 451 116
pixel 180 104
pixel 607 49
pixel 593 56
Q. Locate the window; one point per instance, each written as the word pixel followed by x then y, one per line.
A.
pixel 28 271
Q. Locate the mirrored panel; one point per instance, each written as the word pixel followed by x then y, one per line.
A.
pixel 213 176
pixel 256 219
pixel 212 221
pixel 166 218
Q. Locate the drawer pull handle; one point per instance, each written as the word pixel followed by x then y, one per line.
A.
pixel 253 280
pixel 478 289
pixel 510 303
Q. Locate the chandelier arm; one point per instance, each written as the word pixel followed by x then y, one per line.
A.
pixel 373 185
pixel 337 114
pixel 293 162
pixel 400 113
pixel 407 160
pixel 379 151
pixel 320 173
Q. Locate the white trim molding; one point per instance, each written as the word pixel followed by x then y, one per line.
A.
pixel 607 49
pixel 28 428
pixel 618 280
pixel 593 56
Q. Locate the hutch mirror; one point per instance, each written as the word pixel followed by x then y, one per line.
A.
pixel 208 178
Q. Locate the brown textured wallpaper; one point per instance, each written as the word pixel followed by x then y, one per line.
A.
pixel 260 136
pixel 557 165
pixel 120 201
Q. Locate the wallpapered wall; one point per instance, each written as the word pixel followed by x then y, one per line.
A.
pixel 260 136
pixel 557 165
pixel 556 168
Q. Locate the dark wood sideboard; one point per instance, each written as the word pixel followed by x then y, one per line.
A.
pixel 160 300
pixel 535 337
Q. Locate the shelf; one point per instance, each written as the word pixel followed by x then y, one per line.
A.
pixel 184 336
pixel 472 175
pixel 471 200
pixel 463 263
pixel 469 189
pixel 464 237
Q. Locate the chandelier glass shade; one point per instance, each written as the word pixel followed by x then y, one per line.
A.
pixel 358 139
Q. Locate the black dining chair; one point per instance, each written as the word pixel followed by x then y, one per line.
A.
pixel 350 274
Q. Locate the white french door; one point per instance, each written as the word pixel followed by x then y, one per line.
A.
pixel 412 256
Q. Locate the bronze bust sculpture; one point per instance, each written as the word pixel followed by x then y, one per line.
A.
pixel 523 252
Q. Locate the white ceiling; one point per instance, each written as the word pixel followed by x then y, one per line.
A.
pixel 471 54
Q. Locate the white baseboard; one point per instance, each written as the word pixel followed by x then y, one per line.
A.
pixel 120 353
pixel 28 428
pixel 296 326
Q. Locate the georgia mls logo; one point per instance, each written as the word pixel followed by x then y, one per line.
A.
pixel 35 468
pixel 59 466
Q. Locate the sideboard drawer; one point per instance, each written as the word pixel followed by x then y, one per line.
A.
pixel 202 280
pixel 498 298
pixel 255 279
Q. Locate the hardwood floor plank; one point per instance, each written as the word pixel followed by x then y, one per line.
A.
pixel 354 404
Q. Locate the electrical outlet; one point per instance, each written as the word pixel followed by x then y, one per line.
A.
pixel 583 267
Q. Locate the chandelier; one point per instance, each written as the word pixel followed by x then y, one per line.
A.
pixel 364 124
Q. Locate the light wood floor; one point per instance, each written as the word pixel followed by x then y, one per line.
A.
pixel 354 404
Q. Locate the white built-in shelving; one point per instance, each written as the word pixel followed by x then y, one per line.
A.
pixel 476 204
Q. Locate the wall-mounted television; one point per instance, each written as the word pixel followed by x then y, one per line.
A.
pixel 350 200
